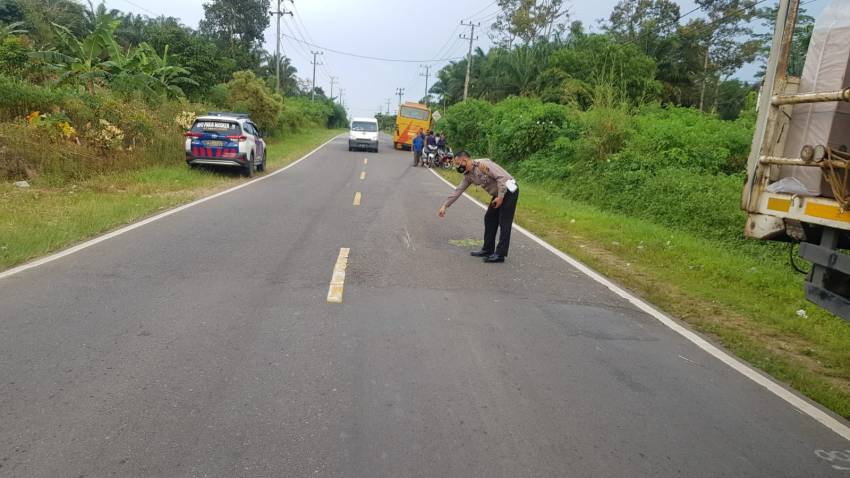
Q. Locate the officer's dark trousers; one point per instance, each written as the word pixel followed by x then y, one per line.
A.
pixel 500 219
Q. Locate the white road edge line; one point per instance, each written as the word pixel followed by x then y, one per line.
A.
pixel 800 403
pixel 136 225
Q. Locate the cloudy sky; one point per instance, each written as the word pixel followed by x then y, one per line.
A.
pixel 385 29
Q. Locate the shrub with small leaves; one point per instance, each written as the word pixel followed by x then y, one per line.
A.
pixel 105 135
pixel 185 119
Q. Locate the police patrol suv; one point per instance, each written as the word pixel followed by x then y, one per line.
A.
pixel 226 139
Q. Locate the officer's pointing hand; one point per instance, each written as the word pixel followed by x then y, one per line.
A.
pixel 442 211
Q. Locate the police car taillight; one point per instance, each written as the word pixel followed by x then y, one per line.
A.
pixel 239 138
pixel 191 134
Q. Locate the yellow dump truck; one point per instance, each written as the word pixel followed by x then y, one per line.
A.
pixel 797 187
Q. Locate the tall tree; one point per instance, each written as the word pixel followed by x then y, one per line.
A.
pixel 40 15
pixel 649 24
pixel 208 64
pixel 238 26
pixel 529 21
pixel 799 43
pixel 727 39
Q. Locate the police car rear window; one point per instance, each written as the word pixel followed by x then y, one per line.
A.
pixel 223 127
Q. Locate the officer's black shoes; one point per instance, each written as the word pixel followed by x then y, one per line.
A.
pixel 493 258
pixel 481 253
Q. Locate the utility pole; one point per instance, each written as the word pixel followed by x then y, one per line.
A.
pixel 315 64
pixel 471 38
pixel 427 76
pixel 341 92
pixel 278 60
pixel 388 106
pixel 333 80
pixel 399 92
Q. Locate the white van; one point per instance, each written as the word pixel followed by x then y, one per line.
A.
pixel 363 134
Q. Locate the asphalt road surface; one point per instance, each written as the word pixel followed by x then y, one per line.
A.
pixel 202 344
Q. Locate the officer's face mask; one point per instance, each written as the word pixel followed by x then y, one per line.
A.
pixel 461 168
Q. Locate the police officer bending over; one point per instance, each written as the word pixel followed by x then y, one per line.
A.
pixel 500 215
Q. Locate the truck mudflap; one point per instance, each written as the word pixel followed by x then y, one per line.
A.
pixel 828 284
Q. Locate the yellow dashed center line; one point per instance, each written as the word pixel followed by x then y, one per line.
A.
pixel 338 277
pixel 365 160
pixel 357 198
pixel 363 175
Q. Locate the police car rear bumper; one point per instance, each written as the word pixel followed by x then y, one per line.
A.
pixel 238 161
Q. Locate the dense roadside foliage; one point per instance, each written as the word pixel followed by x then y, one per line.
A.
pixel 87 90
pixel 676 166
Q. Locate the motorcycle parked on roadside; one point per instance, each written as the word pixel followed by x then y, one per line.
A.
pixel 430 156
pixel 445 158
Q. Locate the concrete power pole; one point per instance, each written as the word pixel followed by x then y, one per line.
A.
pixel 399 92
pixel 278 13
pixel 471 38
pixel 333 80
pixel 341 92
pixel 427 76
pixel 315 64
pixel 388 106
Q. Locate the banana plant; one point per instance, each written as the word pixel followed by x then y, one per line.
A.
pixel 12 29
pixel 153 73
pixel 84 61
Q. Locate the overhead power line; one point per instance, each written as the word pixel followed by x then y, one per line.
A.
pixel 128 2
pixel 479 12
pixel 367 57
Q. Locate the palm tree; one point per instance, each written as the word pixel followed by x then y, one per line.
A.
pixel 288 78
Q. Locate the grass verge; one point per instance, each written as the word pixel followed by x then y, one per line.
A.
pixel 44 219
pixel 744 296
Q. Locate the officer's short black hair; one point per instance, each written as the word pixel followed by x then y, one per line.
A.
pixel 461 154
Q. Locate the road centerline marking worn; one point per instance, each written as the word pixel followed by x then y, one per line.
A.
pixel 357 197
pixel 338 277
pixel 795 400
pixel 363 175
pixel 144 222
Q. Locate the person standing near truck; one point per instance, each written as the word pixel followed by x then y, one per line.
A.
pixel 418 146
pixel 500 214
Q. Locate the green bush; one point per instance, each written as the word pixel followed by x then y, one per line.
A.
pixel 248 93
pixel 520 127
pixel 465 125
pixel 19 98
pixel 14 56
pixel 674 166
pixel 300 112
pixel 686 138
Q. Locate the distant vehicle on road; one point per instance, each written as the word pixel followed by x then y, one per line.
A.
pixel 363 134
pixel 226 139
pixel 411 117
